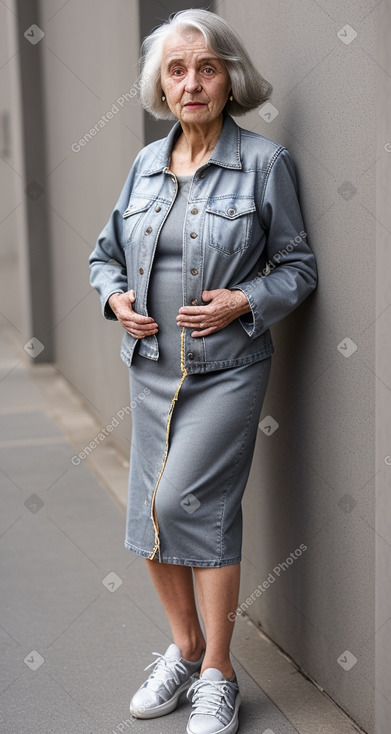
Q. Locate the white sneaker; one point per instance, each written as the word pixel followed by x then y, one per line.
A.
pixel 171 676
pixel 216 702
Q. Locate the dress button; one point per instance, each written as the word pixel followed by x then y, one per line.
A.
pixel 194 302
pixel 158 208
pixel 202 174
pixel 231 211
pixel 194 211
pixel 194 271
pixel 193 235
pixel 148 230
pixel 190 356
pixel 141 271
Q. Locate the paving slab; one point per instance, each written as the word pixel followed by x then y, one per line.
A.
pixel 79 617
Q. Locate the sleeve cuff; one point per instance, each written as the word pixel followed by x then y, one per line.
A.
pixel 249 321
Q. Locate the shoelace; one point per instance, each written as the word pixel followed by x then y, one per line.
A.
pixel 164 665
pixel 208 695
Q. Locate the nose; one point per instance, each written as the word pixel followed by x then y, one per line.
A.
pixel 192 81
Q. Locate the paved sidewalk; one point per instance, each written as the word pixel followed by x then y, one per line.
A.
pixel 79 617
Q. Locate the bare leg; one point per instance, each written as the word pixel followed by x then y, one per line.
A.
pixel 174 585
pixel 217 593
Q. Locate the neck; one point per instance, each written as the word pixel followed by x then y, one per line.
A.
pixel 196 141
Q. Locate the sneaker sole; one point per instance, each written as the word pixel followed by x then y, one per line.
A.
pixel 233 725
pixel 164 708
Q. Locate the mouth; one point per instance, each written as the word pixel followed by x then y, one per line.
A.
pixel 195 105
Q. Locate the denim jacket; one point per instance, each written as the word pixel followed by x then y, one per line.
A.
pixel 243 230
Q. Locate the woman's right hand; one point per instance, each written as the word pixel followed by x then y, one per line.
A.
pixel 135 324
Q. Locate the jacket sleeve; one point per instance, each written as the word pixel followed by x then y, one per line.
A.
pixel 107 260
pixel 290 273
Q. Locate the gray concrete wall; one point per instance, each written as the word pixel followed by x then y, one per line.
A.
pixel 312 481
pixel 10 178
pixel 383 372
pixel 90 56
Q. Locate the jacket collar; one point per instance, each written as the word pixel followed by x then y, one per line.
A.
pixel 226 152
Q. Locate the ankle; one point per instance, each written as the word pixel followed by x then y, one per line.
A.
pixel 191 651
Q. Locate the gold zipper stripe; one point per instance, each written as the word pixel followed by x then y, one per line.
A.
pixel 156 547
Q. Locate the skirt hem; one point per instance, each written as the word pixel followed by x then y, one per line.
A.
pixel 195 563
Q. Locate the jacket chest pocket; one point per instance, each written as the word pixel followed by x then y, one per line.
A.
pixel 134 219
pixel 229 222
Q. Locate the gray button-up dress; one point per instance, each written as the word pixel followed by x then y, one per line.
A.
pixel 193 436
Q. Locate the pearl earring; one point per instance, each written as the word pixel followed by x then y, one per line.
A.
pixel 231 98
pixel 163 98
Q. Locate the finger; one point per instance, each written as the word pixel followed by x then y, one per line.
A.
pixel 194 319
pixel 130 325
pixel 130 322
pixel 138 328
pixel 135 318
pixel 193 310
pixel 127 299
pixel 141 333
pixel 206 295
pixel 145 329
pixel 203 332
pixel 210 295
pixel 191 323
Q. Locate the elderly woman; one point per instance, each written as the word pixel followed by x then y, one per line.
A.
pixel 203 252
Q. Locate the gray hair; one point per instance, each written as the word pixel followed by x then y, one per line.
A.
pixel 249 88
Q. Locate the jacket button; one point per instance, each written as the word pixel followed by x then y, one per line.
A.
pixel 190 356
pixel 194 211
pixel 231 212
pixel 141 271
pixel 158 208
pixel 193 235
pixel 148 230
pixel 194 302
pixel 202 174
pixel 194 271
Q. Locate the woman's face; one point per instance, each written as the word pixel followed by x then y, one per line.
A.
pixel 195 82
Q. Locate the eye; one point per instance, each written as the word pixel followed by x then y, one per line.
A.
pixel 208 70
pixel 177 72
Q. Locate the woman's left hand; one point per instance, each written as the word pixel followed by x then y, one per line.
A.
pixel 224 306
